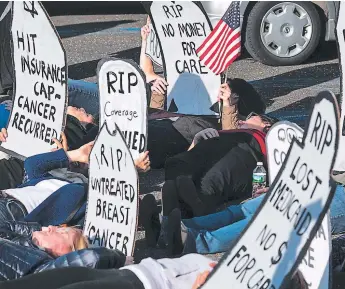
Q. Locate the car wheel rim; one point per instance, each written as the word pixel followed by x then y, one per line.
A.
pixel 286 29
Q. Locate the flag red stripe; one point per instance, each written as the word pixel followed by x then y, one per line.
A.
pixel 229 50
pixel 222 67
pixel 224 60
pixel 208 37
pixel 223 49
pixel 213 57
pixel 213 43
pixel 217 48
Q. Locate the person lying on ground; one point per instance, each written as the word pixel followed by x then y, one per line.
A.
pixel 45 185
pixel 49 196
pixel 27 248
pixel 187 272
pixel 212 173
pixel 216 232
pixel 78 126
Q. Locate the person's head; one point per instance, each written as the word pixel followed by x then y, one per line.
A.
pixel 80 114
pixel 257 121
pixel 249 100
pixel 58 241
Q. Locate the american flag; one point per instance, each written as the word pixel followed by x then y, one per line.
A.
pixel 223 45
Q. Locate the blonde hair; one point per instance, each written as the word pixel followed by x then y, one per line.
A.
pixel 80 241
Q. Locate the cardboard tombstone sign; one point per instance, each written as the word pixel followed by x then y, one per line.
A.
pixel 181 27
pixel 274 243
pixel 123 100
pixel 152 47
pixel 278 141
pixel 112 207
pixel 340 36
pixel 40 89
pixel 315 264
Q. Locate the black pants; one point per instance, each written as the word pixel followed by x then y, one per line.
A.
pixel 182 193
pixel 164 141
pixel 11 173
pixel 77 278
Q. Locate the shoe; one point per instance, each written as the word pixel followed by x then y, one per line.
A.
pixel 150 219
pixel 175 245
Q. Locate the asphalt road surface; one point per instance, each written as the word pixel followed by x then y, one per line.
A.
pixel 288 91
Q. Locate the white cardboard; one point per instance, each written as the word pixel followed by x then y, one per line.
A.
pixel 152 47
pixel 181 28
pixel 271 247
pixel 111 217
pixel 315 265
pixel 278 141
pixel 36 40
pixel 340 35
pixel 123 100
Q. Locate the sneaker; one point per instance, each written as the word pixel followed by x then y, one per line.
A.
pixel 175 245
pixel 149 212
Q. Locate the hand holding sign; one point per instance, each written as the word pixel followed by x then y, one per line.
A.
pixel 272 246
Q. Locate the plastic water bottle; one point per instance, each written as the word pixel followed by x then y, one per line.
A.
pixel 259 178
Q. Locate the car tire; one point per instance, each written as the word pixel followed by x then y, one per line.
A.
pixel 254 40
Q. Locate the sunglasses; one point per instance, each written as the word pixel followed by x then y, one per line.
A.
pixel 264 117
pixel 251 115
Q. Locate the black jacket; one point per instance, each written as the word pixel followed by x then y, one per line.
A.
pixel 222 166
pixel 20 257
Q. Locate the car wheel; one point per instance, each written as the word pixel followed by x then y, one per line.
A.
pixel 282 33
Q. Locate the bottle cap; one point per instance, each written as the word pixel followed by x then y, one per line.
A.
pixel 260 164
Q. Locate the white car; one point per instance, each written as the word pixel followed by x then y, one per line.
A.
pixel 281 33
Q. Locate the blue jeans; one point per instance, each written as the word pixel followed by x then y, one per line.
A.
pixel 83 94
pixel 216 232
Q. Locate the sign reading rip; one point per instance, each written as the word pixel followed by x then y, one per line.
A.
pixel 274 243
pixel 111 218
pixel 181 27
pixel 40 91
pixel 315 265
pixel 123 100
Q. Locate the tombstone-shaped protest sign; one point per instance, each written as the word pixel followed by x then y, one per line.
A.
pixel 340 36
pixel 315 264
pixel 181 27
pixel 40 89
pixel 152 47
pixel 278 141
pixel 123 100
pixel 274 243
pixel 112 206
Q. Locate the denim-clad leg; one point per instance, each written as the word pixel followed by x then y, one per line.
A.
pixel 83 94
pixel 212 233
pixel 215 232
pixel 337 211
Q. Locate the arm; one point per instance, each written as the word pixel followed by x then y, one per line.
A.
pixel 97 258
pixel 145 62
pixel 230 111
pixel 38 166
pixel 203 135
